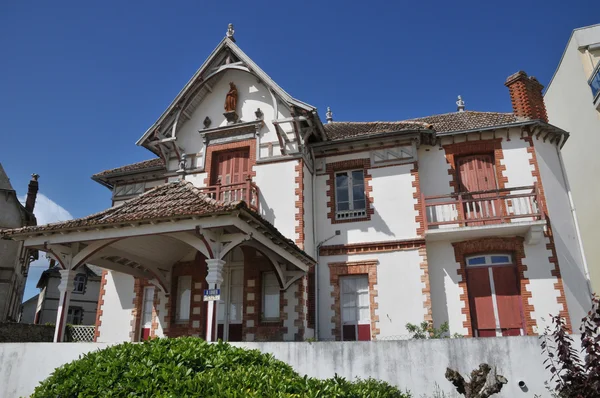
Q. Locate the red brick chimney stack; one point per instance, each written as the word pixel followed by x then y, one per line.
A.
pixel 526 96
pixel 32 193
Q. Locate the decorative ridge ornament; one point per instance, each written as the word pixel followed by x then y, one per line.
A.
pixel 230 32
pixel 460 104
pixel 329 115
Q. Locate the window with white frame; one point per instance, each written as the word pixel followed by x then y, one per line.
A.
pixel 129 189
pixel 79 283
pixel 75 316
pixel 270 297
pixel 184 298
pixel 350 198
pixel 356 313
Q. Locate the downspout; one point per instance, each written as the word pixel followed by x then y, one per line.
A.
pixel 574 215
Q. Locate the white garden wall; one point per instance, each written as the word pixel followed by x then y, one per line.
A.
pixel 414 365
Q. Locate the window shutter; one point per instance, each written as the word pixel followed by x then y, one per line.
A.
pixel 507 297
pixel 480 293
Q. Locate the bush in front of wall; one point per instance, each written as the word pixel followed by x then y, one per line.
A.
pixel 190 367
pixel 425 330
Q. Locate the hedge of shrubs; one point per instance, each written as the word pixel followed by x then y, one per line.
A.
pixel 190 367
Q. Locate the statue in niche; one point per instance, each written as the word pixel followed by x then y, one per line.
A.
pixel 231 99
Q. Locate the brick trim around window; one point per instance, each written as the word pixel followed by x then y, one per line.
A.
pixel 354 164
pixel 493 146
pixel 211 149
pixel 99 310
pixel 513 245
pixel 365 267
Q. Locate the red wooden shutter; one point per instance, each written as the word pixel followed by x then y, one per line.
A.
pixel 508 297
pixel 364 332
pixel 480 294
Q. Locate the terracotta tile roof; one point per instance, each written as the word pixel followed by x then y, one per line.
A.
pixel 341 130
pixel 443 123
pixel 175 199
pixel 139 166
pixel 467 120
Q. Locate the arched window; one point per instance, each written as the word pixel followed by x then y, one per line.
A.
pixel 79 283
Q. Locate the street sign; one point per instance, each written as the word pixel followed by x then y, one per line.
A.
pixel 212 294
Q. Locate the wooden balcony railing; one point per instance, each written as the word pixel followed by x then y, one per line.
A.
pixel 482 207
pixel 246 191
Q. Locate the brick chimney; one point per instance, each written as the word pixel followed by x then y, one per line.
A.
pixel 32 193
pixel 526 96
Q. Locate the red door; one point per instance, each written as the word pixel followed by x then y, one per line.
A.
pixel 475 174
pixel 230 169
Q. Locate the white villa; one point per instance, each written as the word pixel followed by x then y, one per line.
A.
pixel 333 231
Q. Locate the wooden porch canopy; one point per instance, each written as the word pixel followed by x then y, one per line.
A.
pixel 147 235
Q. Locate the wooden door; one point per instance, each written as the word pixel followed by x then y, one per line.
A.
pixel 230 167
pixel 476 173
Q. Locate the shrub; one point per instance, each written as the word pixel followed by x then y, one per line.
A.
pixel 425 330
pixel 573 375
pixel 190 367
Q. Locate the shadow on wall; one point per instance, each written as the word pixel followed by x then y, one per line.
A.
pixel 124 289
pixel 439 293
pixel 265 210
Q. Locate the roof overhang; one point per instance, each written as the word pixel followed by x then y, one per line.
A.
pixel 539 128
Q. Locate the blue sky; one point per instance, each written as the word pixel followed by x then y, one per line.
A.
pixel 81 82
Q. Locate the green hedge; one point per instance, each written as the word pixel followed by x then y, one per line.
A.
pixel 190 367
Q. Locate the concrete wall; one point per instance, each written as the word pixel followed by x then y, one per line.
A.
pixel 569 103
pixel 414 365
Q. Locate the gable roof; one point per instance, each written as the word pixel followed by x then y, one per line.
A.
pixel 156 164
pixel 214 65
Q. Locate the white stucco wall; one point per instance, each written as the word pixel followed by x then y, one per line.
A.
pixel 278 195
pixel 393 204
pixel 251 96
pixel 415 365
pixel 433 171
pixel 569 103
pixel 116 311
pixel 309 236
pixel 400 295
pixel 445 291
pixel 563 229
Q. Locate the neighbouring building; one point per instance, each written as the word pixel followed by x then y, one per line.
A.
pixel 14 257
pixel 28 309
pixel 84 296
pixel 256 221
pixel 573 102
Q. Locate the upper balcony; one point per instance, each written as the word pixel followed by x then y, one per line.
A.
pixel 465 215
pixel 247 191
pixel 594 83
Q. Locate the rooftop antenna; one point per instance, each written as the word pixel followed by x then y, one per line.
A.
pixel 460 104
pixel 329 115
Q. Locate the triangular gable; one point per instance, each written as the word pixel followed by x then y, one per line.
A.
pixel 226 56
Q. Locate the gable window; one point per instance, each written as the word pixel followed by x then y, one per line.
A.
pixel 75 316
pixel 350 199
pixel 184 298
pixel 356 313
pixel 79 283
pixel 494 295
pixel 270 297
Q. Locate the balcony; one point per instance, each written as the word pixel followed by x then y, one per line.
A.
pixel 509 211
pixel 247 191
pixel 594 83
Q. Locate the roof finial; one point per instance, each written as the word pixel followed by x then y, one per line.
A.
pixel 329 115
pixel 230 31
pixel 460 104
pixel 182 167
